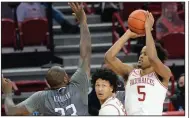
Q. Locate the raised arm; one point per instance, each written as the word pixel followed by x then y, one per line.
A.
pixel 158 66
pixel 115 63
pixel 10 108
pixel 26 107
pixel 85 38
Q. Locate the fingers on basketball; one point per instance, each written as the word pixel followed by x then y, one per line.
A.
pixel 136 21
pixel 141 35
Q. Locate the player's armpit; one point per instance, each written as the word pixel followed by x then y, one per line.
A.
pixel 84 64
pixel 118 67
pixel 80 79
pixel 161 69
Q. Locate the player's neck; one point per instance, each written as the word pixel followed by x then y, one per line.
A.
pixel 103 101
pixel 146 71
pixel 59 86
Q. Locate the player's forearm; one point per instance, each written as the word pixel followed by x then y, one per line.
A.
pixel 85 43
pixel 114 50
pixel 150 45
pixel 10 107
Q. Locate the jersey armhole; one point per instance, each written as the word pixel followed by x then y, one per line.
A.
pixel 157 77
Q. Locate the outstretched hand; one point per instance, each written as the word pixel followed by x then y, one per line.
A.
pixel 78 10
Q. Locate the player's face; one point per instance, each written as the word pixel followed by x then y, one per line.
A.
pixel 181 81
pixel 103 89
pixel 143 59
pixel 170 9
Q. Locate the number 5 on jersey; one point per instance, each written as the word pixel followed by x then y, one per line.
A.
pixel 139 89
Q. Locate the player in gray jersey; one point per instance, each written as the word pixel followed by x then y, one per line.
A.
pixel 66 96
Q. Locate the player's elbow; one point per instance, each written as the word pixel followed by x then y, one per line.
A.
pixel 11 112
pixel 108 56
pixel 15 111
pixel 106 59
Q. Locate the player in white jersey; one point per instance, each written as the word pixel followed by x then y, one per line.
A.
pixel 146 85
pixel 105 83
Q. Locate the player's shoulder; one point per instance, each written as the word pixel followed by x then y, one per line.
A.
pixel 110 108
pixel 111 102
pixel 135 71
pixel 79 73
pixel 168 69
pixel 40 93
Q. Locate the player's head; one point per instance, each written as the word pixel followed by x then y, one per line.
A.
pixel 169 8
pixel 105 83
pixel 144 60
pixel 181 82
pixel 57 77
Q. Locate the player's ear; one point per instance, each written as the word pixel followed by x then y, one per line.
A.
pixel 48 86
pixel 111 89
pixel 66 80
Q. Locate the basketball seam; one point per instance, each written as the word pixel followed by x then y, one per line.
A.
pixel 134 27
pixel 145 16
pixel 137 19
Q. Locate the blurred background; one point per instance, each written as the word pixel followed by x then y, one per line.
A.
pixel 36 36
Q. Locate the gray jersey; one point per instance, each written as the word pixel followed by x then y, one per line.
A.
pixel 69 100
pixel 121 96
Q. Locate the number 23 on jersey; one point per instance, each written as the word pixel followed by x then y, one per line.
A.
pixel 62 111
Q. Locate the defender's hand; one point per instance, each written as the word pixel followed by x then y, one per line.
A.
pixel 78 11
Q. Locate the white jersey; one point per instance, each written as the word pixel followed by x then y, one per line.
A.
pixel 144 95
pixel 112 106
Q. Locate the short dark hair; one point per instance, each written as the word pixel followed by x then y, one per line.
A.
pixel 105 74
pixel 161 52
pixel 55 76
pixel 183 74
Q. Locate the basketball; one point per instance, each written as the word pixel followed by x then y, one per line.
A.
pixel 136 21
